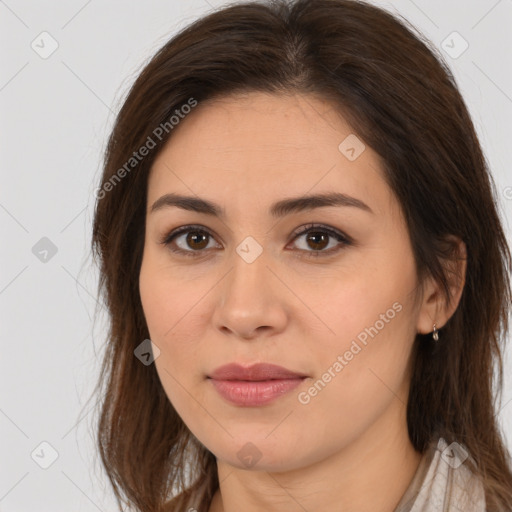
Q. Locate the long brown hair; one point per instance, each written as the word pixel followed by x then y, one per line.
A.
pixel 401 99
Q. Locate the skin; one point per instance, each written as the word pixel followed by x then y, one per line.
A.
pixel 348 448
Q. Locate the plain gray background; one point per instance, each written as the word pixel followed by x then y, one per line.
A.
pixel 56 113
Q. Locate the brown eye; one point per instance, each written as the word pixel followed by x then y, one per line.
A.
pixel 196 239
pixel 188 240
pixel 317 240
pixel 321 241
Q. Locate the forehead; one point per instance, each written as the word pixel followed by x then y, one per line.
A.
pixel 266 146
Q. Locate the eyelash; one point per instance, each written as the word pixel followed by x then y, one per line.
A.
pixel 315 228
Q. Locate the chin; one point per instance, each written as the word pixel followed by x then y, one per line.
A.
pixel 259 454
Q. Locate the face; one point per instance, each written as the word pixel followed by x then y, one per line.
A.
pixel 326 290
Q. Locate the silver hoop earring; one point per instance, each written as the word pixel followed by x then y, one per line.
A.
pixel 435 334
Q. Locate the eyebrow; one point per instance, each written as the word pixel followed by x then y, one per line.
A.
pixel 278 209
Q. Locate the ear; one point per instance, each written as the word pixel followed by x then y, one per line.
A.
pixel 434 308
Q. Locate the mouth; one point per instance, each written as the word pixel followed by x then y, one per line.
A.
pixel 256 385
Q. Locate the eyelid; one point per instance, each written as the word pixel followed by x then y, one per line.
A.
pixel 301 230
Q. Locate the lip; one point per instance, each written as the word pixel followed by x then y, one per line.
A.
pixel 255 372
pixel 256 385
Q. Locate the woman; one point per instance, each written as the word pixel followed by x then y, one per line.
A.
pixel 307 278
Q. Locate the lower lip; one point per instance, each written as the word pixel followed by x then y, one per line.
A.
pixel 254 393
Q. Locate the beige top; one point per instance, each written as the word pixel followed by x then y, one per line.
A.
pixel 443 483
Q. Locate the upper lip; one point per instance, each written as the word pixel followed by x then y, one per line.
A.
pixel 256 372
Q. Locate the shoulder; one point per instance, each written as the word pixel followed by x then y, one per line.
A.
pixel 444 482
pixel 450 481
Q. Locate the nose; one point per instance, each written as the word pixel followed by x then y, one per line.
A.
pixel 250 300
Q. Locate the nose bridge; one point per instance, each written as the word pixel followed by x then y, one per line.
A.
pixel 249 297
pixel 249 275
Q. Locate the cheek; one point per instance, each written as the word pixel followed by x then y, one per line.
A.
pixel 166 299
pixel 163 308
pixel 365 307
pixel 361 373
pixel 372 329
pixel 168 315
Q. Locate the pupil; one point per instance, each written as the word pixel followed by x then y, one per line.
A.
pixel 318 245
pixel 194 235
